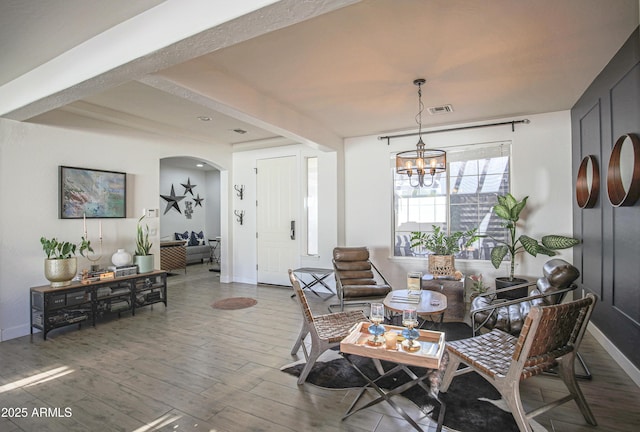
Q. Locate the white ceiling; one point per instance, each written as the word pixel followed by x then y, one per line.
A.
pixel 348 71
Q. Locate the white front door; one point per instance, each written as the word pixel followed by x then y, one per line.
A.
pixel 277 223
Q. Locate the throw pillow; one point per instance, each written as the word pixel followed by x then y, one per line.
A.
pixel 193 240
pixel 200 237
pixel 182 236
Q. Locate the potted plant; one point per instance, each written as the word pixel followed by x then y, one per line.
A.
pixel 508 209
pixel 477 286
pixel 444 247
pixel 61 264
pixel 143 258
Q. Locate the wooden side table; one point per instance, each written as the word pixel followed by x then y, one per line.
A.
pixel 173 255
pixel 432 357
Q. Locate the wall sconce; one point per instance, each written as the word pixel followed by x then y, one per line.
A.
pixel 239 215
pixel 239 190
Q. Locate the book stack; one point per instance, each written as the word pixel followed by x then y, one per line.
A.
pixel 411 297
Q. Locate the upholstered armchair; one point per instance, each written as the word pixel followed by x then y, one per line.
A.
pixel 491 312
pixel 357 278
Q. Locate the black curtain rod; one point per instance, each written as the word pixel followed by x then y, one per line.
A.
pixel 512 123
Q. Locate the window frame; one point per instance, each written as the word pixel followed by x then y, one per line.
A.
pixel 504 147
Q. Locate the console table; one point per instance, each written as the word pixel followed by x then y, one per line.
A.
pixel 52 308
pixel 173 255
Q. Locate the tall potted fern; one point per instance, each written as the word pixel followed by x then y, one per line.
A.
pixel 508 209
pixel 143 258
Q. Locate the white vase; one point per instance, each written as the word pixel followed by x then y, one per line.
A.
pixel 121 258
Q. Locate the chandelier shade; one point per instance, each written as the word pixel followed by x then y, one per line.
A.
pixel 418 163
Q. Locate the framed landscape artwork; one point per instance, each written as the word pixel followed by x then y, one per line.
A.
pixel 92 193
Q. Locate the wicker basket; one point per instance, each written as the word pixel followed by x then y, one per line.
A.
pixel 442 265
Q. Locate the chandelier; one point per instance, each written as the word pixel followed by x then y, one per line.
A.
pixel 420 161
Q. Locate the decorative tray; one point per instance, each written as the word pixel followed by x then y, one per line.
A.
pixel 428 356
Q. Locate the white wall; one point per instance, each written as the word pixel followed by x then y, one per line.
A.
pixel 212 197
pixel 173 221
pixel 29 158
pixel 541 168
pixel 245 245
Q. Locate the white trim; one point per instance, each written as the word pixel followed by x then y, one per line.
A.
pixel 615 353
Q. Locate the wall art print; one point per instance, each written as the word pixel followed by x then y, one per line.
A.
pixel 92 193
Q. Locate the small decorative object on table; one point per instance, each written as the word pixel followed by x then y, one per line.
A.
pixel 376 317
pixel 410 321
pixel 121 258
pixel 414 280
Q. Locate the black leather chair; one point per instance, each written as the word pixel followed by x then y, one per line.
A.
pixel 489 312
pixel 357 279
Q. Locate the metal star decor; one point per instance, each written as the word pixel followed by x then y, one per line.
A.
pixel 198 201
pixel 188 187
pixel 172 201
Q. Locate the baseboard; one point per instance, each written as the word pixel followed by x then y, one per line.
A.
pixel 14 332
pixel 618 356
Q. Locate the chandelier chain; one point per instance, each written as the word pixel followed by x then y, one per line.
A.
pixel 420 109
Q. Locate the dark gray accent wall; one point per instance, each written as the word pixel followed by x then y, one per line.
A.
pixel 609 256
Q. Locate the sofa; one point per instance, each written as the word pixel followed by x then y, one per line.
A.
pixel 196 245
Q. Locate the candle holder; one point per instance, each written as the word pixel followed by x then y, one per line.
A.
pixel 376 317
pixel 410 321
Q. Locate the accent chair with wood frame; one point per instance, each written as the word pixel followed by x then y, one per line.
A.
pixel 326 331
pixel 489 312
pixel 549 339
pixel 358 281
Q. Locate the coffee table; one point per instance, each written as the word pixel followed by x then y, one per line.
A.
pixel 432 303
pixel 432 356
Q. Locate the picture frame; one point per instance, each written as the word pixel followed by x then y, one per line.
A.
pixel 92 193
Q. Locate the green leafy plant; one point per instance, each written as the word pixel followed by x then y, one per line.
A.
pixel 440 243
pixel 508 209
pixel 143 247
pixel 55 249
pixel 478 286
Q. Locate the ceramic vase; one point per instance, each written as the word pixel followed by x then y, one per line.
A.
pixel 121 258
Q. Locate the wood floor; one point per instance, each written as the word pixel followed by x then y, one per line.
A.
pixel 194 368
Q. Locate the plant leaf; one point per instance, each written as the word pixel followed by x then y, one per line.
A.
pixel 559 242
pixel 511 201
pixel 497 255
pixel 530 245
pixel 515 211
pixel 502 212
pixel 545 251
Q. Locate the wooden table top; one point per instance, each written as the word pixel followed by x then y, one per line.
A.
pixel 431 302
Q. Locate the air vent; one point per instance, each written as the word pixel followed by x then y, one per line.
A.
pixel 240 131
pixel 442 109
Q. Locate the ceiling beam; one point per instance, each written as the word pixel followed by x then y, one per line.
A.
pixel 168 34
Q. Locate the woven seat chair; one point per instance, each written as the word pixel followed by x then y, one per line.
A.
pixel 326 331
pixel 489 311
pixel 357 279
pixel 549 339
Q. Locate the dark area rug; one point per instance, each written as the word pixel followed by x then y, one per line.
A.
pixel 233 303
pixel 468 408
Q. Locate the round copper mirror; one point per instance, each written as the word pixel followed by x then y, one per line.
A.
pixel 588 182
pixel 623 176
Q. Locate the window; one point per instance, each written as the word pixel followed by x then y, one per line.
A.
pixel 312 206
pixel 458 200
